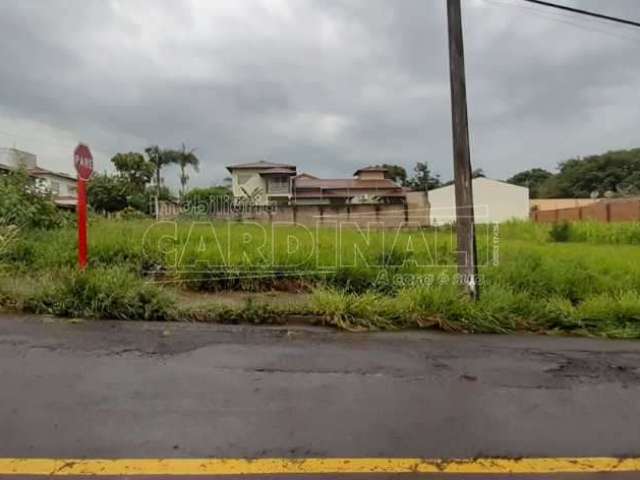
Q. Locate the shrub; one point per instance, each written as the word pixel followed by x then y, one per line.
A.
pixel 560 232
pixel 130 213
pixel 205 200
pixel 24 204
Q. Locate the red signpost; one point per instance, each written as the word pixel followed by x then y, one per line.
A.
pixel 83 161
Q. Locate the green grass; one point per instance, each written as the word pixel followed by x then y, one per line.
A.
pixel 361 280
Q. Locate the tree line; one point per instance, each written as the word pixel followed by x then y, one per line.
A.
pixel 611 174
pixel 422 178
pixel 137 183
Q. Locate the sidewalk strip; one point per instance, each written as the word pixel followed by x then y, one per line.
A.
pixel 266 466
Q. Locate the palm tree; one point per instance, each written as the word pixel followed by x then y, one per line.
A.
pixel 185 159
pixel 159 158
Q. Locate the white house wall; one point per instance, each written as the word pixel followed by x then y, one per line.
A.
pixel 255 182
pixel 493 202
pixel 66 186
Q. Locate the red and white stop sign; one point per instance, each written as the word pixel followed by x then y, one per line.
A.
pixel 83 161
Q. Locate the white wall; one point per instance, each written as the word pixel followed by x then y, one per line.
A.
pixel 65 187
pixel 254 182
pixel 493 202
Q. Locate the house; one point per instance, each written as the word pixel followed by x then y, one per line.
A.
pixel 58 183
pixel 62 186
pixel 493 202
pixel 368 185
pixel 266 183
pixel 262 183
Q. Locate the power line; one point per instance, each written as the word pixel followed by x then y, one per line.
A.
pixel 586 12
pixel 586 24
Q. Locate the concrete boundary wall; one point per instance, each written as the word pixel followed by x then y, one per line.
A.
pixel 603 211
pixel 357 216
pixel 412 214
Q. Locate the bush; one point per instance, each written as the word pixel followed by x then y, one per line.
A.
pixel 23 204
pixel 205 200
pixel 560 232
pixel 131 213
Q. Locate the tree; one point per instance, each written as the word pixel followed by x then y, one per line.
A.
pixel 108 193
pixel 186 159
pixel 478 173
pixel 617 172
pixel 159 158
pixel 422 179
pixel 532 179
pixel 145 201
pixel 207 200
pixel 396 173
pixel 135 169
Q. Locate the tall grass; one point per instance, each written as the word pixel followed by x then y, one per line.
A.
pixel 362 279
pixel 112 293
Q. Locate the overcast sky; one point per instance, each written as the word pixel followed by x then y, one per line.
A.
pixel 328 85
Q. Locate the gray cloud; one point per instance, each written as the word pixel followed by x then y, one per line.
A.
pixel 328 85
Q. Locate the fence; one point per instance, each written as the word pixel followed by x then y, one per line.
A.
pixel 413 213
pixel 605 211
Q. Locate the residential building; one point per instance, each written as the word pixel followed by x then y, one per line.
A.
pixel 493 202
pixel 62 186
pixel 266 183
pixel 262 183
pixel 369 185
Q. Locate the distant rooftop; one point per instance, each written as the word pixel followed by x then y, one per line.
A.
pixel 344 183
pixel 371 169
pixel 260 165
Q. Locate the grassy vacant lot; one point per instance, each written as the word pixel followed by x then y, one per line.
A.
pixel 589 284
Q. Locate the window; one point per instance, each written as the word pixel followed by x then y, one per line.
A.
pixel 279 185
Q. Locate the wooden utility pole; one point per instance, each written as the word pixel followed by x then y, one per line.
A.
pixel 465 227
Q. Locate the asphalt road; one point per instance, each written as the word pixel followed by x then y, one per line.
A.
pixel 150 390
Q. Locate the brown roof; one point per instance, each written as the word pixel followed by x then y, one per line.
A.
pixel 371 169
pixel 345 183
pixel 306 187
pixel 343 194
pixel 260 164
pixel 305 175
pixel 272 171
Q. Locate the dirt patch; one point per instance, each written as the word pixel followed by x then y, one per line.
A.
pixel 240 299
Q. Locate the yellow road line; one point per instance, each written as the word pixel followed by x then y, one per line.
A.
pixel 265 466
